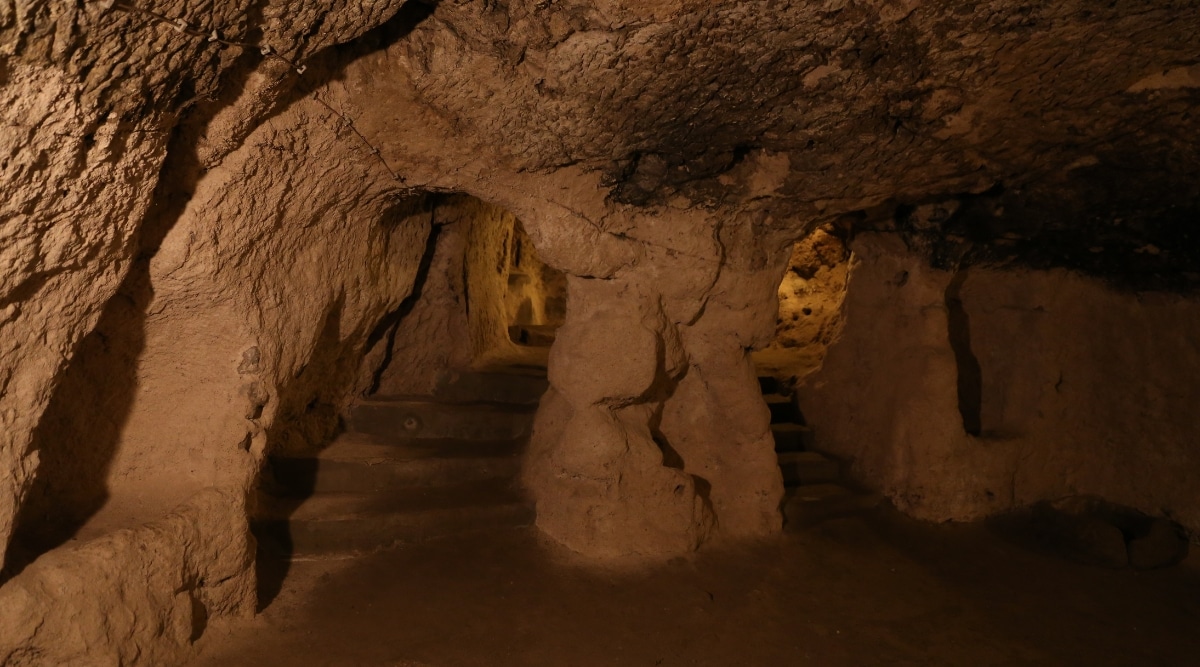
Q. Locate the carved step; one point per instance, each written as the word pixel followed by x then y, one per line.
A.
pixel 783 409
pixel 359 463
pixel 416 419
pixel 538 335
pixel 515 387
pixel 345 524
pixel 791 437
pixel 807 468
pixel 813 503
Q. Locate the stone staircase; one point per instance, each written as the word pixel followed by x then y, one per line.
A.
pixel 406 469
pixel 814 490
pixel 414 468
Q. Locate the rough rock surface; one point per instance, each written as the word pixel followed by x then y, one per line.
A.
pixel 1076 389
pixel 201 224
pixel 229 304
pixel 432 332
pixel 133 596
pixel 655 437
pixel 811 296
pixel 89 98
pixel 458 316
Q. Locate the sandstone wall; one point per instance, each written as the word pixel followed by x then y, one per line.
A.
pixel 1075 389
pixel 159 337
pixel 537 293
pixel 458 318
pixel 252 321
pixel 490 239
pixel 669 188
pixel 134 596
pixel 654 438
pixel 89 95
pixel 431 335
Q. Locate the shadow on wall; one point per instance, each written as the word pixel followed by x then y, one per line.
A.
pixel 970 375
pixel 390 323
pixel 307 420
pixel 78 434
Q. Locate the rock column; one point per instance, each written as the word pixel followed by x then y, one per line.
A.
pixel 654 437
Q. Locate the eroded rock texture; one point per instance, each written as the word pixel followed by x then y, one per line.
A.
pixel 963 395
pixel 205 297
pixel 201 243
pixel 811 299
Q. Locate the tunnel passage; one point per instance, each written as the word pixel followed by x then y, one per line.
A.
pixel 537 294
pixel 811 297
pixel 811 294
pixel 430 444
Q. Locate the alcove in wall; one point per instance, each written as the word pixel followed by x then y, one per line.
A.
pixel 811 294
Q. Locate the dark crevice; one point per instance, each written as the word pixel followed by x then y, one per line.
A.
pixel 970 375
pixel 307 419
pixel 330 63
pixel 390 324
pixel 77 436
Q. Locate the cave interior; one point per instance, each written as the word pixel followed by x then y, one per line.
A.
pixel 544 332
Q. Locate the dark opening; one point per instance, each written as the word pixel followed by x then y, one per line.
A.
pixel 970 375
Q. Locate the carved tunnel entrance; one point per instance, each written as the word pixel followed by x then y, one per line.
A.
pixel 430 445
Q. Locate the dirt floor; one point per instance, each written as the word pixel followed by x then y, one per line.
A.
pixel 871 590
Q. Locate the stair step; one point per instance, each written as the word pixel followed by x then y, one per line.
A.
pixel 813 503
pixel 783 409
pixel 769 385
pixel 538 335
pixel 411 419
pixel 345 524
pixel 791 437
pixel 357 463
pixel 514 387
pixel 800 468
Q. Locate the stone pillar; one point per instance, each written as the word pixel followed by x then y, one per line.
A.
pixel 594 467
pixel 654 437
pixel 715 419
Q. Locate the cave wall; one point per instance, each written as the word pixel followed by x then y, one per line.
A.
pixel 264 294
pixel 238 328
pixel 668 187
pixel 1073 387
pixel 490 240
pixel 91 98
pixel 430 339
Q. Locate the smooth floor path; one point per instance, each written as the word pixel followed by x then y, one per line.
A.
pixel 870 589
